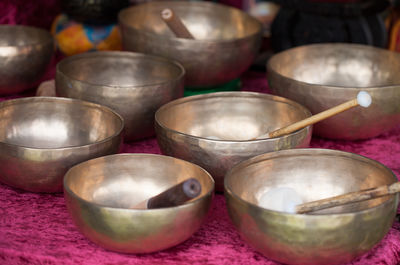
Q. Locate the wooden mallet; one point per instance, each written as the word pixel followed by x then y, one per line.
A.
pixel 363 99
pixel 348 198
pixel 175 24
pixel 174 196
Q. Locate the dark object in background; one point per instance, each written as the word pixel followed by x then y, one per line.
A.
pixel 93 11
pixel 304 22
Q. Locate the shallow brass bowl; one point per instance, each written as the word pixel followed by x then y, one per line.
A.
pixel 320 76
pixel 25 53
pixel 226 39
pixel 332 236
pixel 185 128
pixel 134 85
pixel 41 138
pixel 100 195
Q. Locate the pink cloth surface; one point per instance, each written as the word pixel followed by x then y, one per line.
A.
pixel 36 228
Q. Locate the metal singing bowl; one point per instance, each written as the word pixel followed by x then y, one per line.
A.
pixel 226 39
pixel 101 193
pixel 331 236
pixel 185 128
pixel 42 137
pixel 135 85
pixel 25 53
pixel 320 76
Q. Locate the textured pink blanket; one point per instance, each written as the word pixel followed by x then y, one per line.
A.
pixel 36 228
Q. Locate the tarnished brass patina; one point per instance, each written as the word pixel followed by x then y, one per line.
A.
pixel 42 137
pixel 320 76
pixel 134 85
pixel 213 130
pixel 25 53
pixel 330 236
pixel 101 193
pixel 226 39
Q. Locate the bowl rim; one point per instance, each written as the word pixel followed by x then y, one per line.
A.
pixel 190 3
pixel 304 151
pixel 15 101
pixel 49 37
pixel 67 190
pixel 276 56
pixel 117 54
pixel 237 94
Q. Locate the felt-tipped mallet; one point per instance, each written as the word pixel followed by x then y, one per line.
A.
pixel 363 99
pixel 175 24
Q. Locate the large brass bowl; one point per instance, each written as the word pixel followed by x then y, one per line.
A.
pixel 320 76
pixel 226 39
pixel 331 236
pixel 101 193
pixel 187 128
pixel 134 85
pixel 41 138
pixel 25 53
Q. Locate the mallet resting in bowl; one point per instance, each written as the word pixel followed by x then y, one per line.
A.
pixel 175 24
pixel 363 99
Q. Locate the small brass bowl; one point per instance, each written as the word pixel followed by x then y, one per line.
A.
pixel 101 193
pixel 331 236
pixel 187 128
pixel 320 76
pixel 42 137
pixel 25 53
pixel 226 39
pixel 134 85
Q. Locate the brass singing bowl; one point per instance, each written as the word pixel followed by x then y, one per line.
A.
pixel 226 39
pixel 25 53
pixel 330 236
pixel 320 76
pixel 134 85
pixel 186 128
pixel 42 137
pixel 101 195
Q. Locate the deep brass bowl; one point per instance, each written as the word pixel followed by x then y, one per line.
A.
pixel 134 85
pixel 226 39
pixel 25 53
pixel 185 128
pixel 331 236
pixel 100 195
pixel 42 137
pixel 320 76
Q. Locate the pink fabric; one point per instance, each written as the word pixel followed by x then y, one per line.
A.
pixel 36 228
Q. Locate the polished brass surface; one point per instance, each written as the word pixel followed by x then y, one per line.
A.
pixel 185 128
pixel 100 194
pixel 25 53
pixel 330 236
pixel 320 76
pixel 42 137
pixel 226 39
pixel 135 85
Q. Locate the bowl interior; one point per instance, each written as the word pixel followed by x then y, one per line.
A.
pixel 314 174
pixel 206 21
pixel 119 69
pixel 55 123
pixel 344 65
pixel 22 35
pixel 123 181
pixel 229 116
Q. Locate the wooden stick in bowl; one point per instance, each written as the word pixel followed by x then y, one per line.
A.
pixel 175 24
pixel 174 196
pixel 348 198
pixel 363 99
